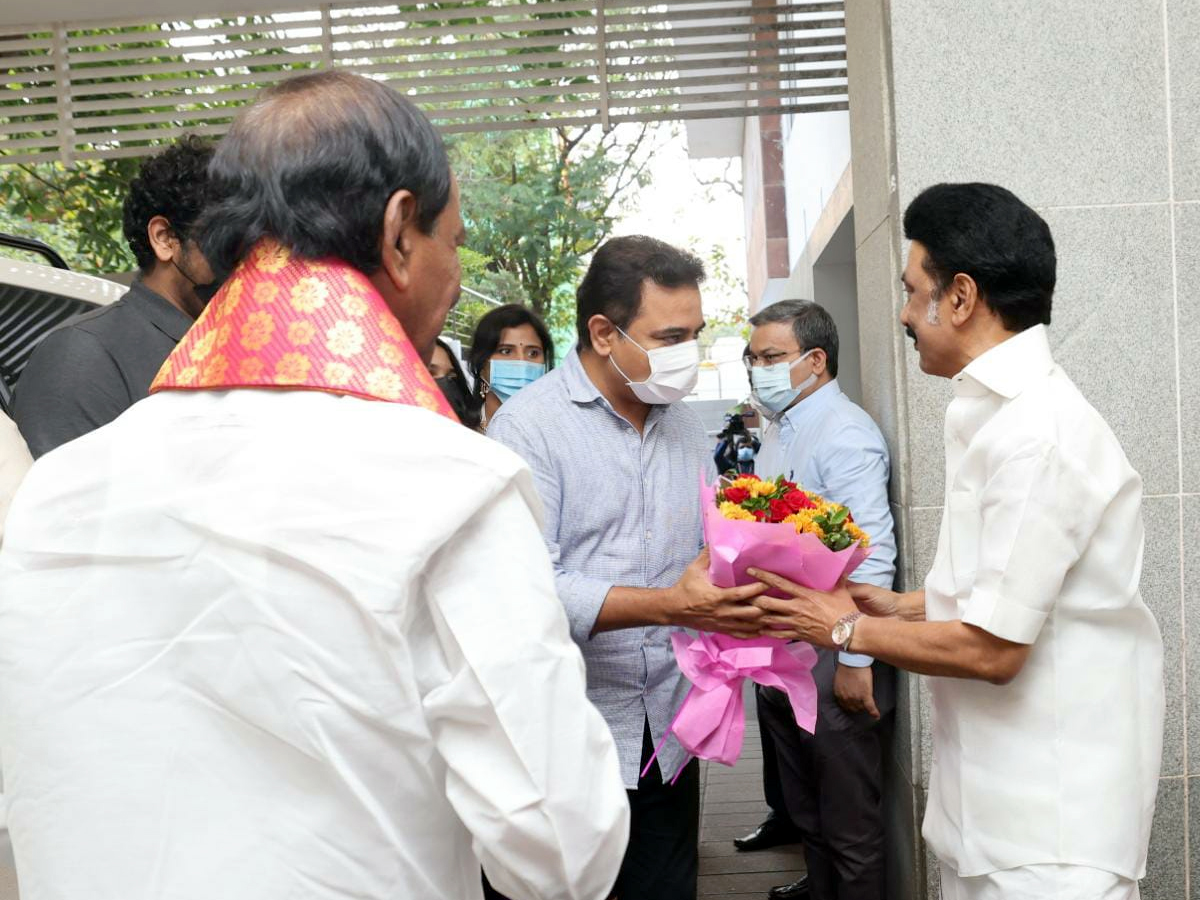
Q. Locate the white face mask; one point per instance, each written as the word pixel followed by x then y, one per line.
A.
pixel 772 385
pixel 674 371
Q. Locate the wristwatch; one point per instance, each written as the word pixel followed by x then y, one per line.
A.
pixel 843 630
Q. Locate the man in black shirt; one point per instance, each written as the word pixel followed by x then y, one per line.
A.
pixel 91 370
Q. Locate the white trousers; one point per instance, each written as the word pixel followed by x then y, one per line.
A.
pixel 1048 882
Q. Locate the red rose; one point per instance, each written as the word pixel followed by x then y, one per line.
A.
pixel 750 477
pixel 737 495
pixel 798 500
pixel 759 514
pixel 780 510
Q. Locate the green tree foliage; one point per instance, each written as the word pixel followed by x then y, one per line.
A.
pixel 538 202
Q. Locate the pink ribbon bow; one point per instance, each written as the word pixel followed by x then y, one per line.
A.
pixel 711 722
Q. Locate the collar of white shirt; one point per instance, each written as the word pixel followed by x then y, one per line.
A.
pixel 810 406
pixel 1009 367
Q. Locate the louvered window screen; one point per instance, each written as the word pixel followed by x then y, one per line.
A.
pixel 75 91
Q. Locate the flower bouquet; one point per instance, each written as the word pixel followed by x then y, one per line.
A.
pixel 776 526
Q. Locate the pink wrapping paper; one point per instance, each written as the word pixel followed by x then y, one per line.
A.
pixel 711 722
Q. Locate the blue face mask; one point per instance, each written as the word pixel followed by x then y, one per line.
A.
pixel 510 375
pixel 773 385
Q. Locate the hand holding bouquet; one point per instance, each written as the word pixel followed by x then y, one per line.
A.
pixel 776 526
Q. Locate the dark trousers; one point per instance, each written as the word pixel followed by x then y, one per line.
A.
pixel 662 861
pixel 772 789
pixel 832 785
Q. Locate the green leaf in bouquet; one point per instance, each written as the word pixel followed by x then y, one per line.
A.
pixel 838 517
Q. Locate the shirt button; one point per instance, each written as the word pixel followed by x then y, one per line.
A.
pixel 647 535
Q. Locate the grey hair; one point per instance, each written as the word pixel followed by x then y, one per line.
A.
pixel 811 324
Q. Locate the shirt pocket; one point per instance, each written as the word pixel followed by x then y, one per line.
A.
pixel 965 527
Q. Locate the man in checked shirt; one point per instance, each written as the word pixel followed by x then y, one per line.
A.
pixel 617 460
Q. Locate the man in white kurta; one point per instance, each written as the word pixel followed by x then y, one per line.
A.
pixel 256 641
pixel 1047 666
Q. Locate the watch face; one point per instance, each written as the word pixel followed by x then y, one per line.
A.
pixel 841 631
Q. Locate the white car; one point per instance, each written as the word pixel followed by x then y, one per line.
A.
pixel 35 299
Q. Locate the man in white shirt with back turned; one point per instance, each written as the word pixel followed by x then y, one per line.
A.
pixel 1047 690
pixel 254 642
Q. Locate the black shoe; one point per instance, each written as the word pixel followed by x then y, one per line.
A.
pixel 797 890
pixel 774 830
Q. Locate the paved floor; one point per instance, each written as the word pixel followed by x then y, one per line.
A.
pixel 731 804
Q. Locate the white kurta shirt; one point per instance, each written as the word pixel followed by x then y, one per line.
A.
pixel 291 645
pixel 14 463
pixel 1041 544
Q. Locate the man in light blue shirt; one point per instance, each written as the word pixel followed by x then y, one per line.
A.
pixel 832 780
pixel 617 461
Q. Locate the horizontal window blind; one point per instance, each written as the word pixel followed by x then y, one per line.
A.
pixel 75 91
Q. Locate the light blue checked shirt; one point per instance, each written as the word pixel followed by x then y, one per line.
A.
pixel 828 444
pixel 621 509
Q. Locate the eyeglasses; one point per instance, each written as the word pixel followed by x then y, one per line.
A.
pixel 753 361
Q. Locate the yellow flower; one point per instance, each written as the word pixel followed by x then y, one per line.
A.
pixel 224 333
pixel 762 488
pixel 391 354
pixel 188 376
pixel 803 522
pixel 266 292
pixel 384 383
pixel 204 346
pixel 271 256
pixel 309 294
pixel 302 332
pixel 733 511
pixel 338 374
pixel 743 482
pixel 858 534
pixel 344 339
pixel 391 327
pixel 292 368
pixel 257 331
pixel 354 305
pixel 215 369
pixel 250 369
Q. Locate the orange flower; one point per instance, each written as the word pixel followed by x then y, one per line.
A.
pixel 292 368
pixel 338 374
pixel 309 294
pixel 384 383
pixel 301 332
pixel 233 297
pixel 204 346
pixel 266 292
pixel 250 369
pixel 391 327
pixel 224 333
pixel 188 376
pixel 344 339
pixel 391 354
pixel 257 331
pixel 271 256
pixel 427 400
pixel 215 369
pixel 354 305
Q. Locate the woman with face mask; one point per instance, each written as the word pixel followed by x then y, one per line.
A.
pixel 511 348
pixel 450 377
